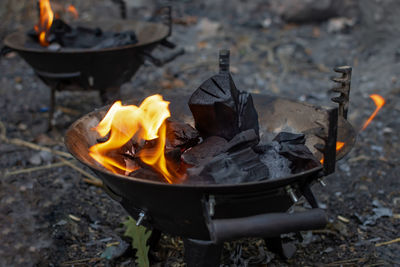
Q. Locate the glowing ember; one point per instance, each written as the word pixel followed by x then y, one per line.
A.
pixel 379 102
pixel 339 146
pixel 143 123
pixel 46 19
pixel 71 9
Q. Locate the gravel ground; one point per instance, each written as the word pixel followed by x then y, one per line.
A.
pixel 51 217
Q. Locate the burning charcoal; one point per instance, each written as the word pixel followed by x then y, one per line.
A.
pixel 242 140
pixel 210 147
pixel 181 134
pixel 220 109
pixel 173 155
pixel 293 148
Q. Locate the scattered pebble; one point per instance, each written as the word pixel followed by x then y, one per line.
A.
pixel 35 159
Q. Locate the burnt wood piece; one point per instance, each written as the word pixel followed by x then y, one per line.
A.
pixel 181 135
pixel 220 109
pixel 293 148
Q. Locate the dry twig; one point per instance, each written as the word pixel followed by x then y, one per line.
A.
pixel 61 156
pixel 388 242
pixel 90 178
pixel 344 262
pixel 74 262
pixel 33 169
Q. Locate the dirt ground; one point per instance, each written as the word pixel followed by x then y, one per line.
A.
pixel 49 216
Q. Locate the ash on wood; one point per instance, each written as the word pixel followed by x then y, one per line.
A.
pixel 219 108
pixel 65 35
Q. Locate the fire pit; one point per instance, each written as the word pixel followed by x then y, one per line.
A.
pixel 206 215
pixel 103 69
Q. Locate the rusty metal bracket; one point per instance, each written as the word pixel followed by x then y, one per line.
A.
pixel 343 89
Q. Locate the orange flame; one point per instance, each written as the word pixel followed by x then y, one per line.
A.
pixel 379 102
pixel 339 146
pixel 142 123
pixel 45 21
pixel 71 9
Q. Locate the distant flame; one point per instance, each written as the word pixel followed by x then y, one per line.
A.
pixel 379 102
pixel 45 22
pixel 46 19
pixel 123 123
pixel 71 9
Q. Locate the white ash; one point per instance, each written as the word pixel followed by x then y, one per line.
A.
pixel 278 165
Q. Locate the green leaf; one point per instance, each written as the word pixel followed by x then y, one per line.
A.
pixel 139 235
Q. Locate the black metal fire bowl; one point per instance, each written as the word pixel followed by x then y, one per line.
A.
pixel 100 69
pixel 220 212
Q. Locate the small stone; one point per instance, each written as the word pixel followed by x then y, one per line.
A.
pixel 35 159
pixel 340 24
pixel 266 23
pixel 18 79
pixel 387 130
pixel 46 156
pixel 62 222
pixel 22 127
pixel 207 28
pixel 328 250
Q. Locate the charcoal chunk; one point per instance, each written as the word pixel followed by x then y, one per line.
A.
pixel 292 147
pixel 247 138
pixel 181 135
pixel 248 117
pixel 220 109
pixel 209 148
pixel 237 167
pixel 292 138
